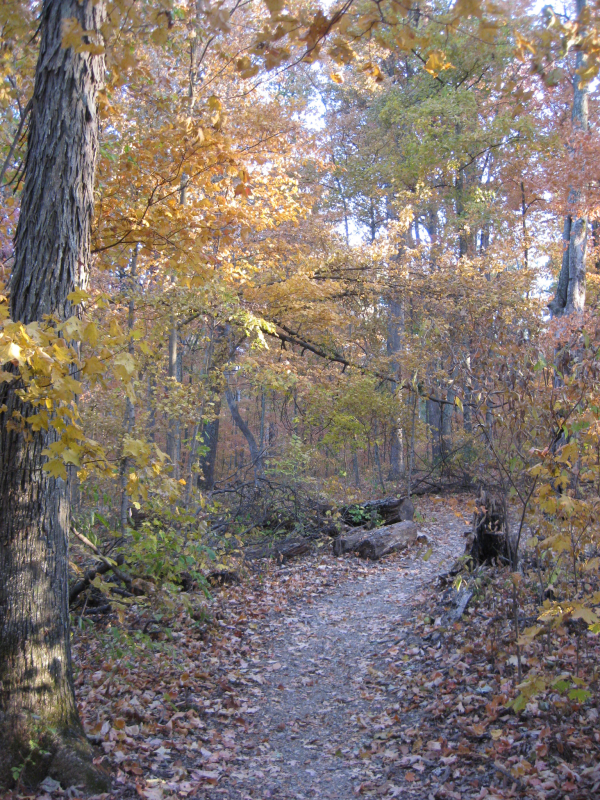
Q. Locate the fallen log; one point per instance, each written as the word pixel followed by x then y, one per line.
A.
pixel 377 543
pixel 281 551
pixel 375 513
pixel 99 569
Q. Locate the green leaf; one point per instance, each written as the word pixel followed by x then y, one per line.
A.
pixel 580 695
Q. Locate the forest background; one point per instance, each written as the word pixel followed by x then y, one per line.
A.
pixel 335 253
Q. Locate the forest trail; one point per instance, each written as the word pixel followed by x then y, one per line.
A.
pixel 329 686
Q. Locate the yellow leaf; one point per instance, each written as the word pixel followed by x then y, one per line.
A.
pixel 93 366
pixel 56 468
pixel 436 63
pixel 467 8
pixel 523 45
pixel 336 77
pixel 160 36
pixel 243 63
pixel 488 31
pixel 585 614
pixel 71 457
pixel 38 421
pixel 10 352
pixel 274 6
pixel 90 333
pixel 126 361
pixel 569 452
pixel 71 327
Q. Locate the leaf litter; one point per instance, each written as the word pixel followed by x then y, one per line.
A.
pixel 329 678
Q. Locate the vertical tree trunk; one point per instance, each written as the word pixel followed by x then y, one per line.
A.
pixel 173 430
pixel 446 413
pixel 524 209
pixel 210 440
pixel 394 337
pixel 378 460
pixel 175 369
pixel 434 421
pixel 356 470
pixel 411 455
pixel 466 238
pixel 570 290
pixel 129 419
pixel 52 258
pixel 255 452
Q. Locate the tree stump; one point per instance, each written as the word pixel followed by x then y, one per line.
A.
pixel 488 542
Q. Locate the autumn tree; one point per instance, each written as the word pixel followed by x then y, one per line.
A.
pixel 208 245
pixel 39 722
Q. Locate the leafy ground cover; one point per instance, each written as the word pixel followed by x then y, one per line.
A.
pixel 335 678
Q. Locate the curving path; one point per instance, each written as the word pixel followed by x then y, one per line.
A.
pixel 329 686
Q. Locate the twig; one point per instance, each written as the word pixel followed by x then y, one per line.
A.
pixel 89 576
pixel 15 141
pixel 507 774
pixel 123 578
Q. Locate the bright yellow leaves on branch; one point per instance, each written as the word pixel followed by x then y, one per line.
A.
pixel 44 362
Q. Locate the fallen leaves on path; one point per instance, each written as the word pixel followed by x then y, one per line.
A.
pixel 330 678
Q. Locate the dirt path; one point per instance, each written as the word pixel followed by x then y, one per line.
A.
pixel 328 686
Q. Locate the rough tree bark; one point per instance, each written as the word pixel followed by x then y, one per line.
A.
pixel 52 257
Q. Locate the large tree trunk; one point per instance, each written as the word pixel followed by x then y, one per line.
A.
pixel 52 257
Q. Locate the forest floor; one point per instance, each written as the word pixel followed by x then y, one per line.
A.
pixel 328 678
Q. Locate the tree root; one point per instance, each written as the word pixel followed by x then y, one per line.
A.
pixel 67 758
pixel 73 765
